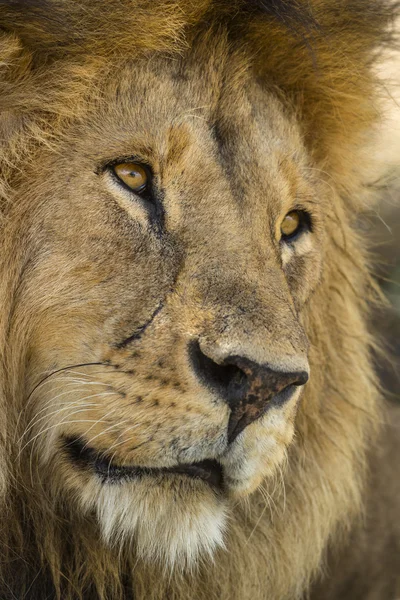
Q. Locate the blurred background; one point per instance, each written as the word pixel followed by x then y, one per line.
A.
pixel 384 223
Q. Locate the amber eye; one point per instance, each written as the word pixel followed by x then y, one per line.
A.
pixel 294 223
pixel 133 175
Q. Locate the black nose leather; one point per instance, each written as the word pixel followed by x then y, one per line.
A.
pixel 248 388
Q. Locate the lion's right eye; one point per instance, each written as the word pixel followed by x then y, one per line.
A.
pixel 133 175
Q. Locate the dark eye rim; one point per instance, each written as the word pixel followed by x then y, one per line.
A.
pixel 305 225
pixel 146 191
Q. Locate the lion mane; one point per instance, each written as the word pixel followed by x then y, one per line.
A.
pixel 324 516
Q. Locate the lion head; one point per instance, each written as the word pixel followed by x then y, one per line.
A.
pixel 178 260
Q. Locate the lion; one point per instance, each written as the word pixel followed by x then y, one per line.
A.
pixel 188 388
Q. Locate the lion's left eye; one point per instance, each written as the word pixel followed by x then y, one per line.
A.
pixel 293 224
pixel 133 175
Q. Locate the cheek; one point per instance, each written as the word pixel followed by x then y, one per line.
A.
pixel 95 286
pixel 303 270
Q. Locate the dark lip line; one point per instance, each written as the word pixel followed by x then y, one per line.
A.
pixel 208 470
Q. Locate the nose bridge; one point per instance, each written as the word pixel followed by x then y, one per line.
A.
pixel 250 313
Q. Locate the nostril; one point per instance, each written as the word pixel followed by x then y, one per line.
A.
pixel 226 379
pixel 301 378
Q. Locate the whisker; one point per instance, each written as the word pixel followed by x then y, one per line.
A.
pixel 34 440
pixel 43 431
pixel 110 412
pixel 26 406
pixel 63 369
pixel 113 426
pixel 62 408
pixel 123 441
pixel 47 379
pixel 52 400
pixel 258 521
pixel 78 400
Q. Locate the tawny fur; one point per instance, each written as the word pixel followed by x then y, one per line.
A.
pixel 242 107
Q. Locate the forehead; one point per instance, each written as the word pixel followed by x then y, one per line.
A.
pixel 202 116
pixel 210 93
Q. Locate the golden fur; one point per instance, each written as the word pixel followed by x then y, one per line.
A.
pixel 245 110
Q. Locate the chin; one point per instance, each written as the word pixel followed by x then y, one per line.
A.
pixel 169 520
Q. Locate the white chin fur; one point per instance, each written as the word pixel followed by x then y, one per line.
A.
pixel 173 524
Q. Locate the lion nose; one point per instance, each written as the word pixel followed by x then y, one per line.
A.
pixel 249 388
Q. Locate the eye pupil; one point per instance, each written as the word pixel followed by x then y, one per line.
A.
pixel 132 175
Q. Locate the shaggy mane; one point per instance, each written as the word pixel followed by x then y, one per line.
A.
pixel 307 50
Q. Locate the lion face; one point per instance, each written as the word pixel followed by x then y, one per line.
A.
pixel 167 355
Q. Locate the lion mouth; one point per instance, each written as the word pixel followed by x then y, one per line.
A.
pixel 209 470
